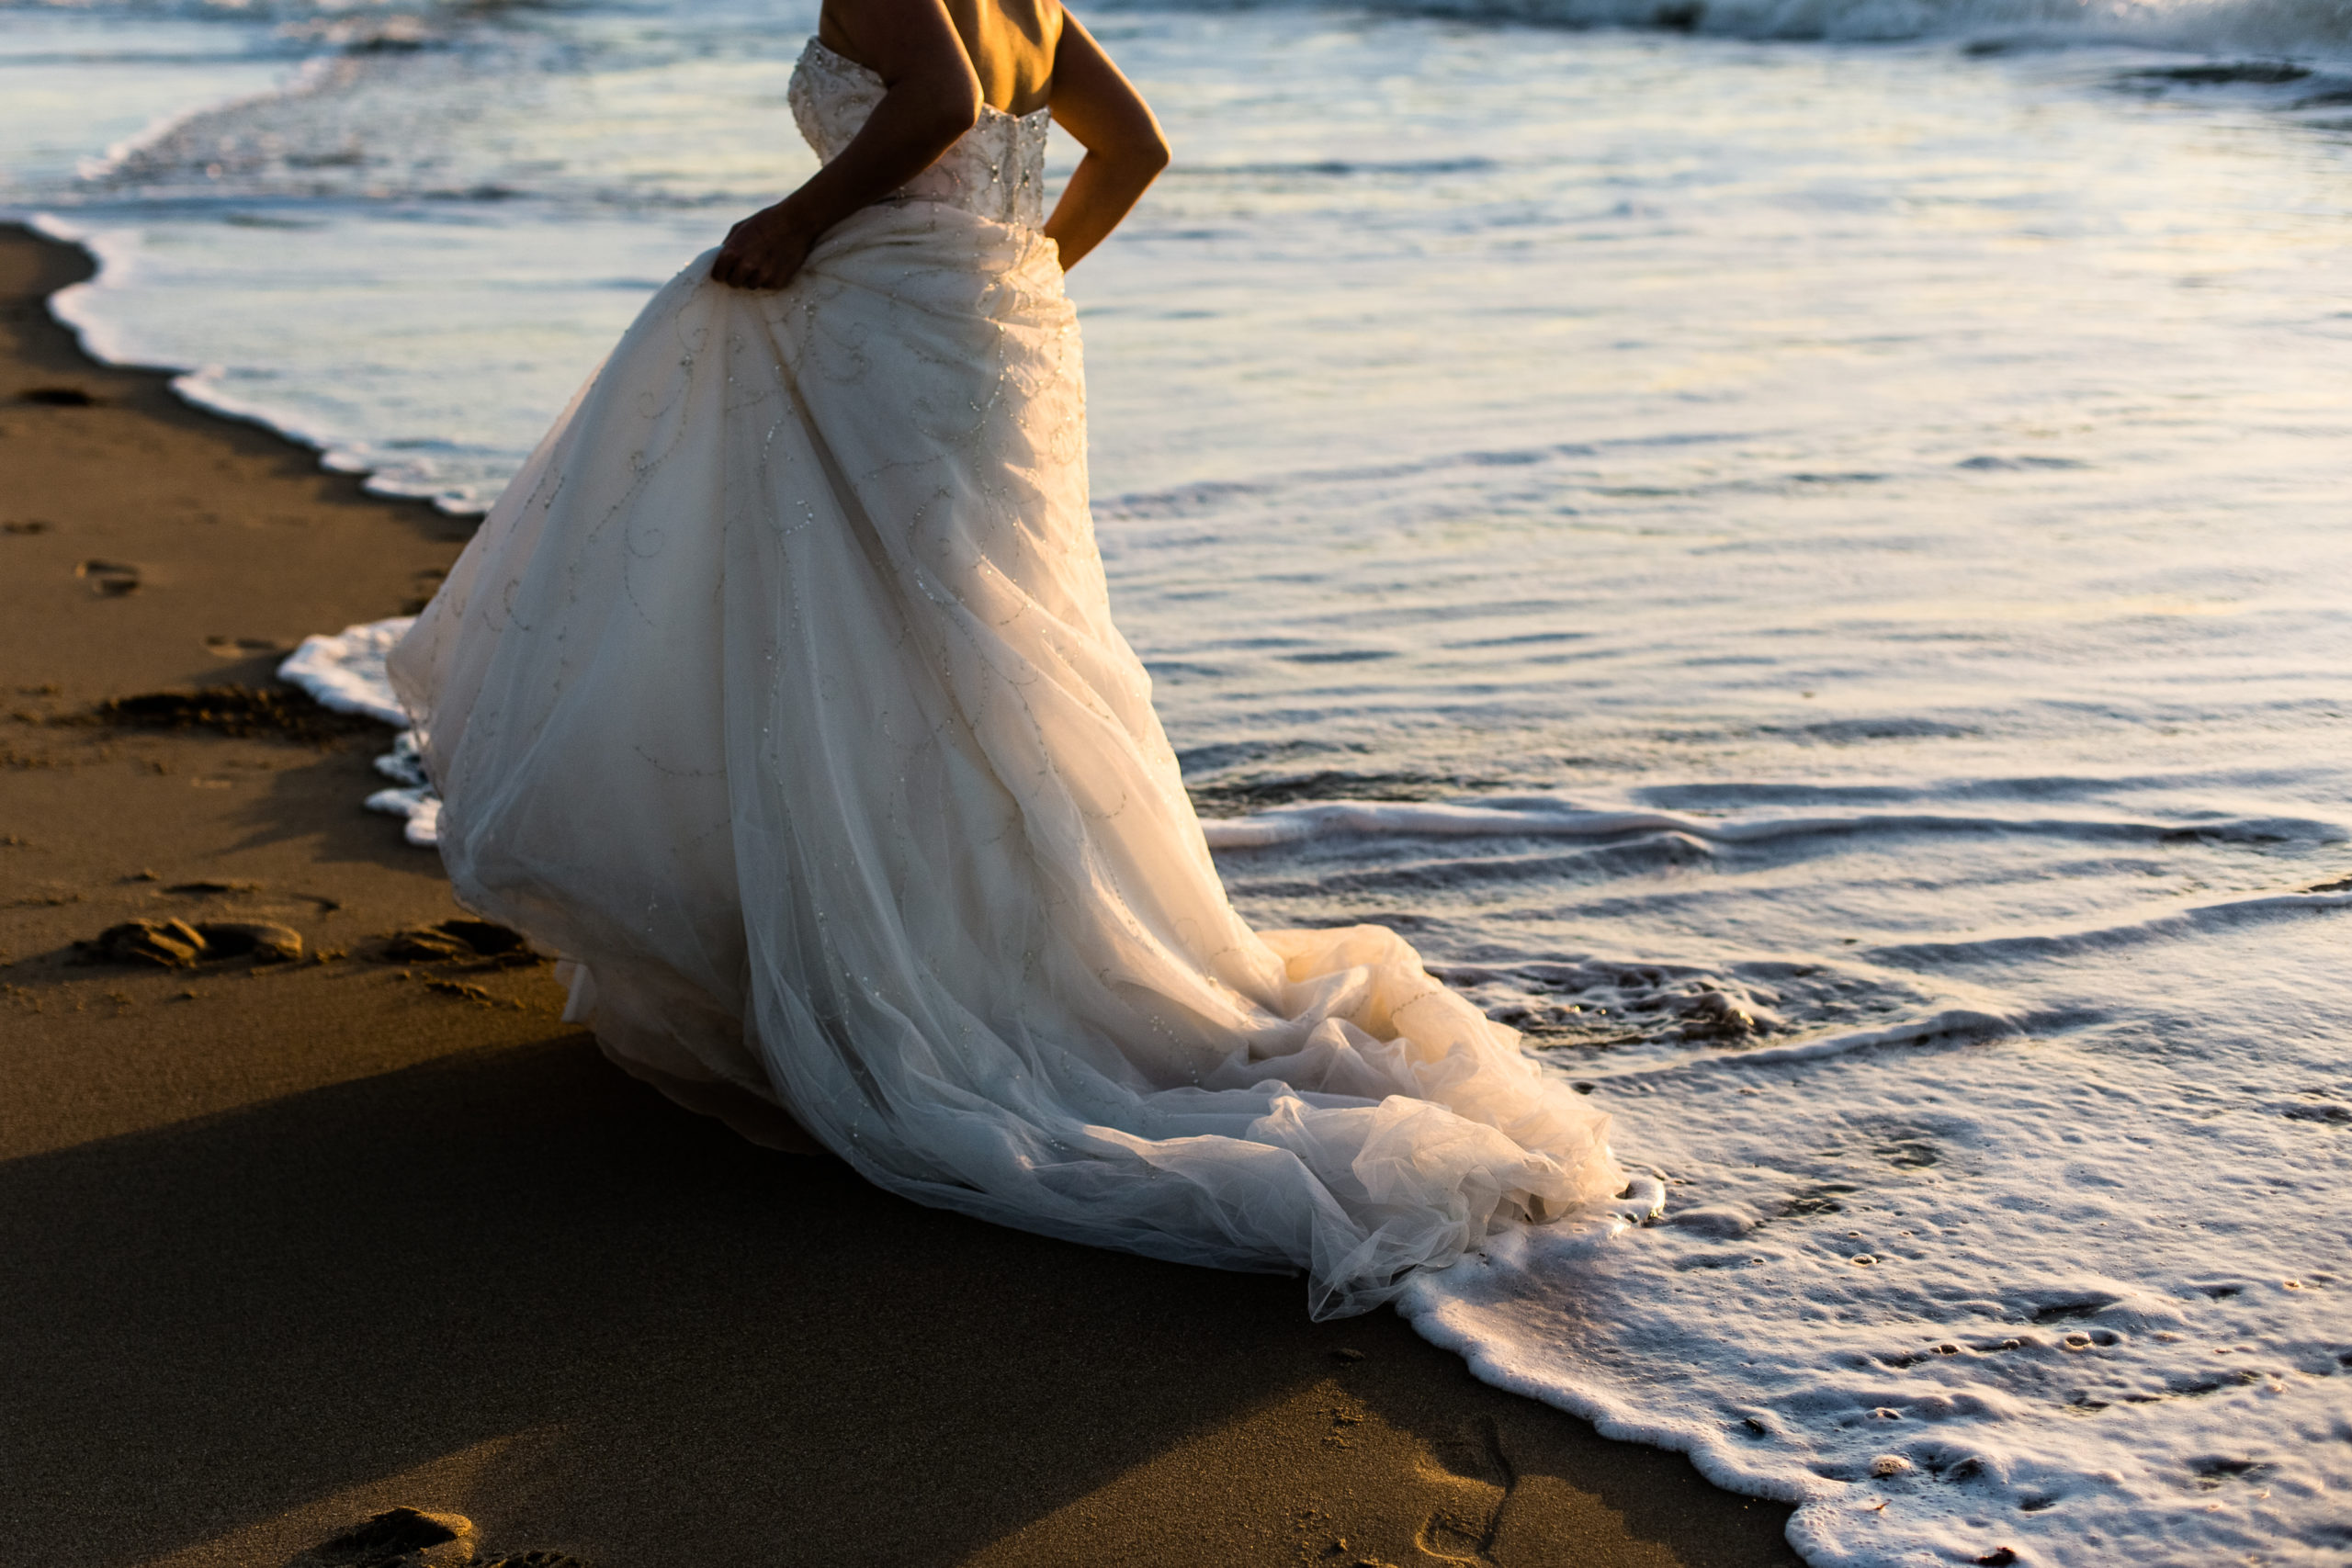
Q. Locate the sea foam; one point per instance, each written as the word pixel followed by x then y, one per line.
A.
pixel 2069 1292
pixel 345 671
pixel 2270 27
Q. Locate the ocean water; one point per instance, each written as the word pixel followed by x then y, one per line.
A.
pixel 1799 551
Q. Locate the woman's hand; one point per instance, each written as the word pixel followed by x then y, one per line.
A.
pixel 765 249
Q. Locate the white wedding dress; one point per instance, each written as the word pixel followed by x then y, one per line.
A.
pixel 779 693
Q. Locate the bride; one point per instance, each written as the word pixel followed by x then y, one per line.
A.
pixel 779 693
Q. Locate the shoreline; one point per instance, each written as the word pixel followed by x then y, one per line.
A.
pixel 80 254
pixel 296 1242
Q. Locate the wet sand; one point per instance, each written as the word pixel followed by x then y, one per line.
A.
pixel 291 1243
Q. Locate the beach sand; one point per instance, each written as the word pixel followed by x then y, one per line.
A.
pixel 289 1243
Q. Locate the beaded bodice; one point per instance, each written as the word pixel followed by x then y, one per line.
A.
pixel 997 169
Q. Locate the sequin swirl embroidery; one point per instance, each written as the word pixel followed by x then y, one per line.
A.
pixel 996 170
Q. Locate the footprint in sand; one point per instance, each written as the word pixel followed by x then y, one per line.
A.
pixel 478 943
pixel 109 578
pixel 26 527
pixel 177 944
pixel 1473 1454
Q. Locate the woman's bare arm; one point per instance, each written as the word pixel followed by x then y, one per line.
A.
pixel 1125 149
pixel 932 97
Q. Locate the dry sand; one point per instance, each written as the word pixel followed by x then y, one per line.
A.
pixel 289 1243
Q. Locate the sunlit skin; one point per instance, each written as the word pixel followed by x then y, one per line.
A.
pixel 940 62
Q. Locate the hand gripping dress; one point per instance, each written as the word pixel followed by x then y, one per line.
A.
pixel 779 693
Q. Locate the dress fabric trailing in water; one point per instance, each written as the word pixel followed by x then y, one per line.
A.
pixel 779 691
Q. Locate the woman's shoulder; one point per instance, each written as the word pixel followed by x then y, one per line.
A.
pixel 1010 43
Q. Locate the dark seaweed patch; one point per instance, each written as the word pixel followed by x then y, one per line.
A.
pixel 242 712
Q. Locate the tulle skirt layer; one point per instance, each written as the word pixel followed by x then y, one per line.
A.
pixel 780 693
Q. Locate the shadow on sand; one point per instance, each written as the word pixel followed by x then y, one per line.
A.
pixel 219 1321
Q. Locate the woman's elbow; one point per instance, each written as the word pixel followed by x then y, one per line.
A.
pixel 1143 155
pixel 955 104
pixel 963 111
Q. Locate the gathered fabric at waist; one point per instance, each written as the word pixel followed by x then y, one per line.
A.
pixel 932 255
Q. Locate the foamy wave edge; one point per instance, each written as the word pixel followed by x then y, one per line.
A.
pixel 80 309
pixel 345 671
pixel 2321 28
pixel 1427 1309
pixel 1542 817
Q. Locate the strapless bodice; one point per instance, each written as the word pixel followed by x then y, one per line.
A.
pixel 996 170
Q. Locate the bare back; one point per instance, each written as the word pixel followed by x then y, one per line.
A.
pixel 1010 42
pixel 944 64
